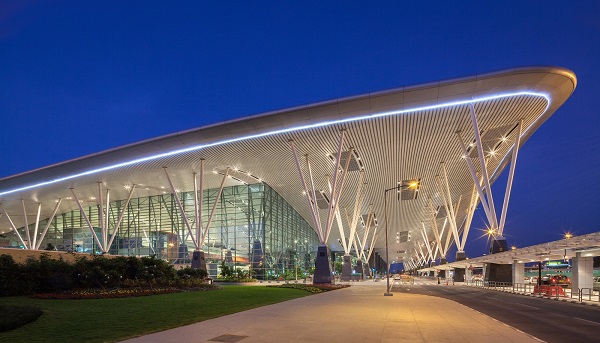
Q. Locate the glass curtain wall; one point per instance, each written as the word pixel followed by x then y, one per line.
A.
pixel 253 228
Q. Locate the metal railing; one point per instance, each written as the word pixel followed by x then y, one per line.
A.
pixel 545 291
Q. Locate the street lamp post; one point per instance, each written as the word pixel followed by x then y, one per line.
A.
pixel 387 253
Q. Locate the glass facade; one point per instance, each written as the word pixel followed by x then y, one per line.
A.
pixel 253 228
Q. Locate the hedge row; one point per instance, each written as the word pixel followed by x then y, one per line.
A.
pixel 47 275
pixel 14 316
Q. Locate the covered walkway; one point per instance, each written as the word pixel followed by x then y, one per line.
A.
pixel 357 314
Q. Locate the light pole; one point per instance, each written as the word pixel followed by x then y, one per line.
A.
pixel 387 254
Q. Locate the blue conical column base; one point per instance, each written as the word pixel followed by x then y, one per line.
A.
pixel 498 272
pixel 347 268
pixel 198 260
pixel 322 266
pixel 459 273
pixel 360 269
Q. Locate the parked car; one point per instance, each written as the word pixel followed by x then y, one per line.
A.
pixel 596 283
pixel 556 280
pixel 527 280
pixel 477 277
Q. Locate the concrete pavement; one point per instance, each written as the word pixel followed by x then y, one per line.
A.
pixel 357 314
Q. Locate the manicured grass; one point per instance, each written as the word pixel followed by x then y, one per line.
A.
pixel 109 320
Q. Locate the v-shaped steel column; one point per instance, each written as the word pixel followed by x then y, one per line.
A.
pixel 13 227
pixel 485 194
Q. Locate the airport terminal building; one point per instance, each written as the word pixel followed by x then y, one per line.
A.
pixel 265 192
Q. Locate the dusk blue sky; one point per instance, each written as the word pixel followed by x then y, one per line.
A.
pixel 78 77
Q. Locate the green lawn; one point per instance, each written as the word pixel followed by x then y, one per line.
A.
pixel 108 320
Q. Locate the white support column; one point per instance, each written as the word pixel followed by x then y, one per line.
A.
pixel 101 215
pixel 198 204
pixel 312 203
pixel 418 257
pixel 106 219
pixel 415 262
pixel 28 245
pixel 335 203
pixel 200 201
pixel 484 173
pixel 434 228
pixel 583 269
pixel 427 244
pixel 470 213
pixel 511 175
pixel 180 206
pixel 196 214
pixel 449 212
pixel 33 244
pixel 212 213
pixel 118 224
pixel 518 272
pixel 372 245
pixel 484 202
pixel 338 218
pixel 37 247
pixel 453 210
pixel 315 207
pixel 422 253
pixel 12 225
pixel 448 235
pixel 87 220
pixel 356 243
pixel 334 192
pixel 358 247
pixel 468 274
pixel 358 204
pixel 366 233
pixel 435 254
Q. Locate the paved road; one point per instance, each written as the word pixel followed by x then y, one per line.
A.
pixel 549 320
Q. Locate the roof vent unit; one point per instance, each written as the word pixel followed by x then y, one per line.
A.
pixel 491 139
pixel 322 200
pixel 355 161
pixel 409 189
pixel 403 237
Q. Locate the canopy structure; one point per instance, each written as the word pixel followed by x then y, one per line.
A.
pixel 417 140
pixel 563 249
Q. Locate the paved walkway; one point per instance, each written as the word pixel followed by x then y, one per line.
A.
pixel 357 314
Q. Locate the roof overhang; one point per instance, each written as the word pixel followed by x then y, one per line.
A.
pixel 400 134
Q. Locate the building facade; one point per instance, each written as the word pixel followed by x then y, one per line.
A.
pixel 253 228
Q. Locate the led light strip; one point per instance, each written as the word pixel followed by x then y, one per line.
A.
pixel 270 133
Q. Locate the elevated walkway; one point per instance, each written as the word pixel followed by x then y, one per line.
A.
pixel 357 314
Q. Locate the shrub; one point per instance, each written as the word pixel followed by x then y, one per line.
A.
pixel 46 275
pixel 14 316
pixel 189 273
pixel 229 274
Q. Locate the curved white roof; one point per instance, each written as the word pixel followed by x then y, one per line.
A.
pixel 399 134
